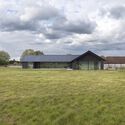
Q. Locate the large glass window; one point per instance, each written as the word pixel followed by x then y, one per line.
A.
pixel 84 65
pixel 91 65
pixel 87 65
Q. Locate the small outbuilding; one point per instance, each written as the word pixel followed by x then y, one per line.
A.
pixel 86 61
pixel 114 62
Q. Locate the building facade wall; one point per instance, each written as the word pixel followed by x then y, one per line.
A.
pixel 114 66
pixel 85 62
pixel 24 65
pixel 89 62
pixel 75 64
pixel 27 65
pixel 52 65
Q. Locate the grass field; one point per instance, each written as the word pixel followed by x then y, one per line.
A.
pixel 37 97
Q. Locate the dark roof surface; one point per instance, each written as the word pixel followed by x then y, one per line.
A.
pixel 115 60
pixel 90 53
pixel 57 58
pixel 49 58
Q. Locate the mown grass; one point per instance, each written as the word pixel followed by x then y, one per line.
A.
pixel 37 97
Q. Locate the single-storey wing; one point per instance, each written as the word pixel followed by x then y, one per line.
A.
pixel 114 62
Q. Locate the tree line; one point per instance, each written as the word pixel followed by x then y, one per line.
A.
pixel 5 57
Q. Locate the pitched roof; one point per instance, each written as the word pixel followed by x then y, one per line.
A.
pixel 49 58
pixel 57 58
pixel 115 60
pixel 91 53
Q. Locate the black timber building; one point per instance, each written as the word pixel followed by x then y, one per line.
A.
pixel 86 61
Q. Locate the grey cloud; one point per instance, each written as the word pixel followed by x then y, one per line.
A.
pixel 39 19
pixel 17 25
pixel 63 28
pixel 118 12
pixel 112 46
pixel 105 45
pixel 39 13
pixel 117 47
pixel 59 34
pixel 12 22
pixel 31 20
pixel 80 27
pixel 55 34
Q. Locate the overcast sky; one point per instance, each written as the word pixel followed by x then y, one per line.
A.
pixel 62 26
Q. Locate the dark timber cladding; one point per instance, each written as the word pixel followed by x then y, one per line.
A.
pixel 86 61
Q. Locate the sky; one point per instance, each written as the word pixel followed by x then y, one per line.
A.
pixel 63 26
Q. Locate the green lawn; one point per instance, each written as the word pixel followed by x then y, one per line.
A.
pixel 41 97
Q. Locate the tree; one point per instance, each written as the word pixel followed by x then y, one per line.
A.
pixel 4 58
pixel 39 53
pixel 28 52
pixel 14 62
